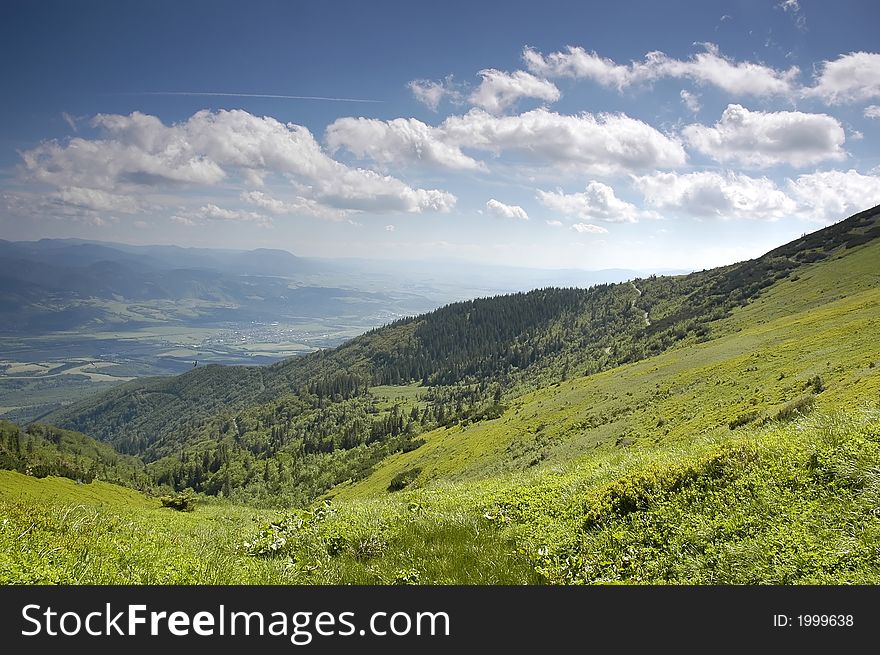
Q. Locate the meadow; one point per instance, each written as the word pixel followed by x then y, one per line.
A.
pixel 746 453
pixel 806 493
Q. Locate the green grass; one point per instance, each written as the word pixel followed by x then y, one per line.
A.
pixel 18 488
pixel 806 494
pixel 54 531
pixel 678 395
pixel 750 458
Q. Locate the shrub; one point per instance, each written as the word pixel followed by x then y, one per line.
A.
pixel 410 446
pixel 185 501
pixel 742 419
pixel 404 479
pixel 794 408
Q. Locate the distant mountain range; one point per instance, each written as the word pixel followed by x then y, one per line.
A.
pixel 70 284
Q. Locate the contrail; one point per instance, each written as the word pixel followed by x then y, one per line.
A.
pixel 246 95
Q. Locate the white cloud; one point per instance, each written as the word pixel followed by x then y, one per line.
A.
pixel 502 210
pixel 598 202
pixel 431 93
pixel 298 206
pixel 833 195
pixel 211 212
pixel 554 223
pixel 794 7
pixel 708 194
pixel 708 67
pixel 849 78
pixel 402 140
pixel 97 201
pixel 587 228
pixel 138 152
pixel 735 77
pixel 576 62
pixel 70 120
pixel 606 143
pixel 822 196
pixel 389 228
pixel 499 90
pixel 756 138
pixel 215 213
pixel 690 100
pixel 872 111
pixel 603 144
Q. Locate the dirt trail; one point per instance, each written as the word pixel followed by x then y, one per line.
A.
pixel 644 313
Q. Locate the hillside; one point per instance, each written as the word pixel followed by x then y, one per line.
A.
pixel 733 440
pixel 804 345
pixel 44 450
pixel 288 432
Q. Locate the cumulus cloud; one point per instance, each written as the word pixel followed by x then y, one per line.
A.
pixel 820 196
pixel 588 228
pixel 872 111
pixel 709 194
pixel 576 62
pixel 502 210
pixel 707 67
pixel 690 100
pixel 499 90
pixel 211 212
pixel 849 78
pixel 389 228
pixel 138 152
pixel 599 144
pixel 298 206
pixel 756 138
pixel 431 93
pixel 97 201
pixel 402 140
pixel 604 143
pixel 554 223
pixel 598 202
pixel 832 195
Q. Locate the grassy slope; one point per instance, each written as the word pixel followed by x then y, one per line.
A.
pixel 651 503
pixel 55 531
pixel 825 323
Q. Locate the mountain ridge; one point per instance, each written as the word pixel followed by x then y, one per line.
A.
pixel 468 359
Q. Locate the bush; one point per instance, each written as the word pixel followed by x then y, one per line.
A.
pixel 185 501
pixel 410 446
pixel 794 408
pixel 404 479
pixel 742 419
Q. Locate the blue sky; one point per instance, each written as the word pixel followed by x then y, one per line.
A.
pixel 592 135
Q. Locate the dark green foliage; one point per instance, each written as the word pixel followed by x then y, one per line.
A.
pixel 184 501
pixel 410 446
pixel 743 419
pixel 403 479
pixel 797 407
pixel 43 450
